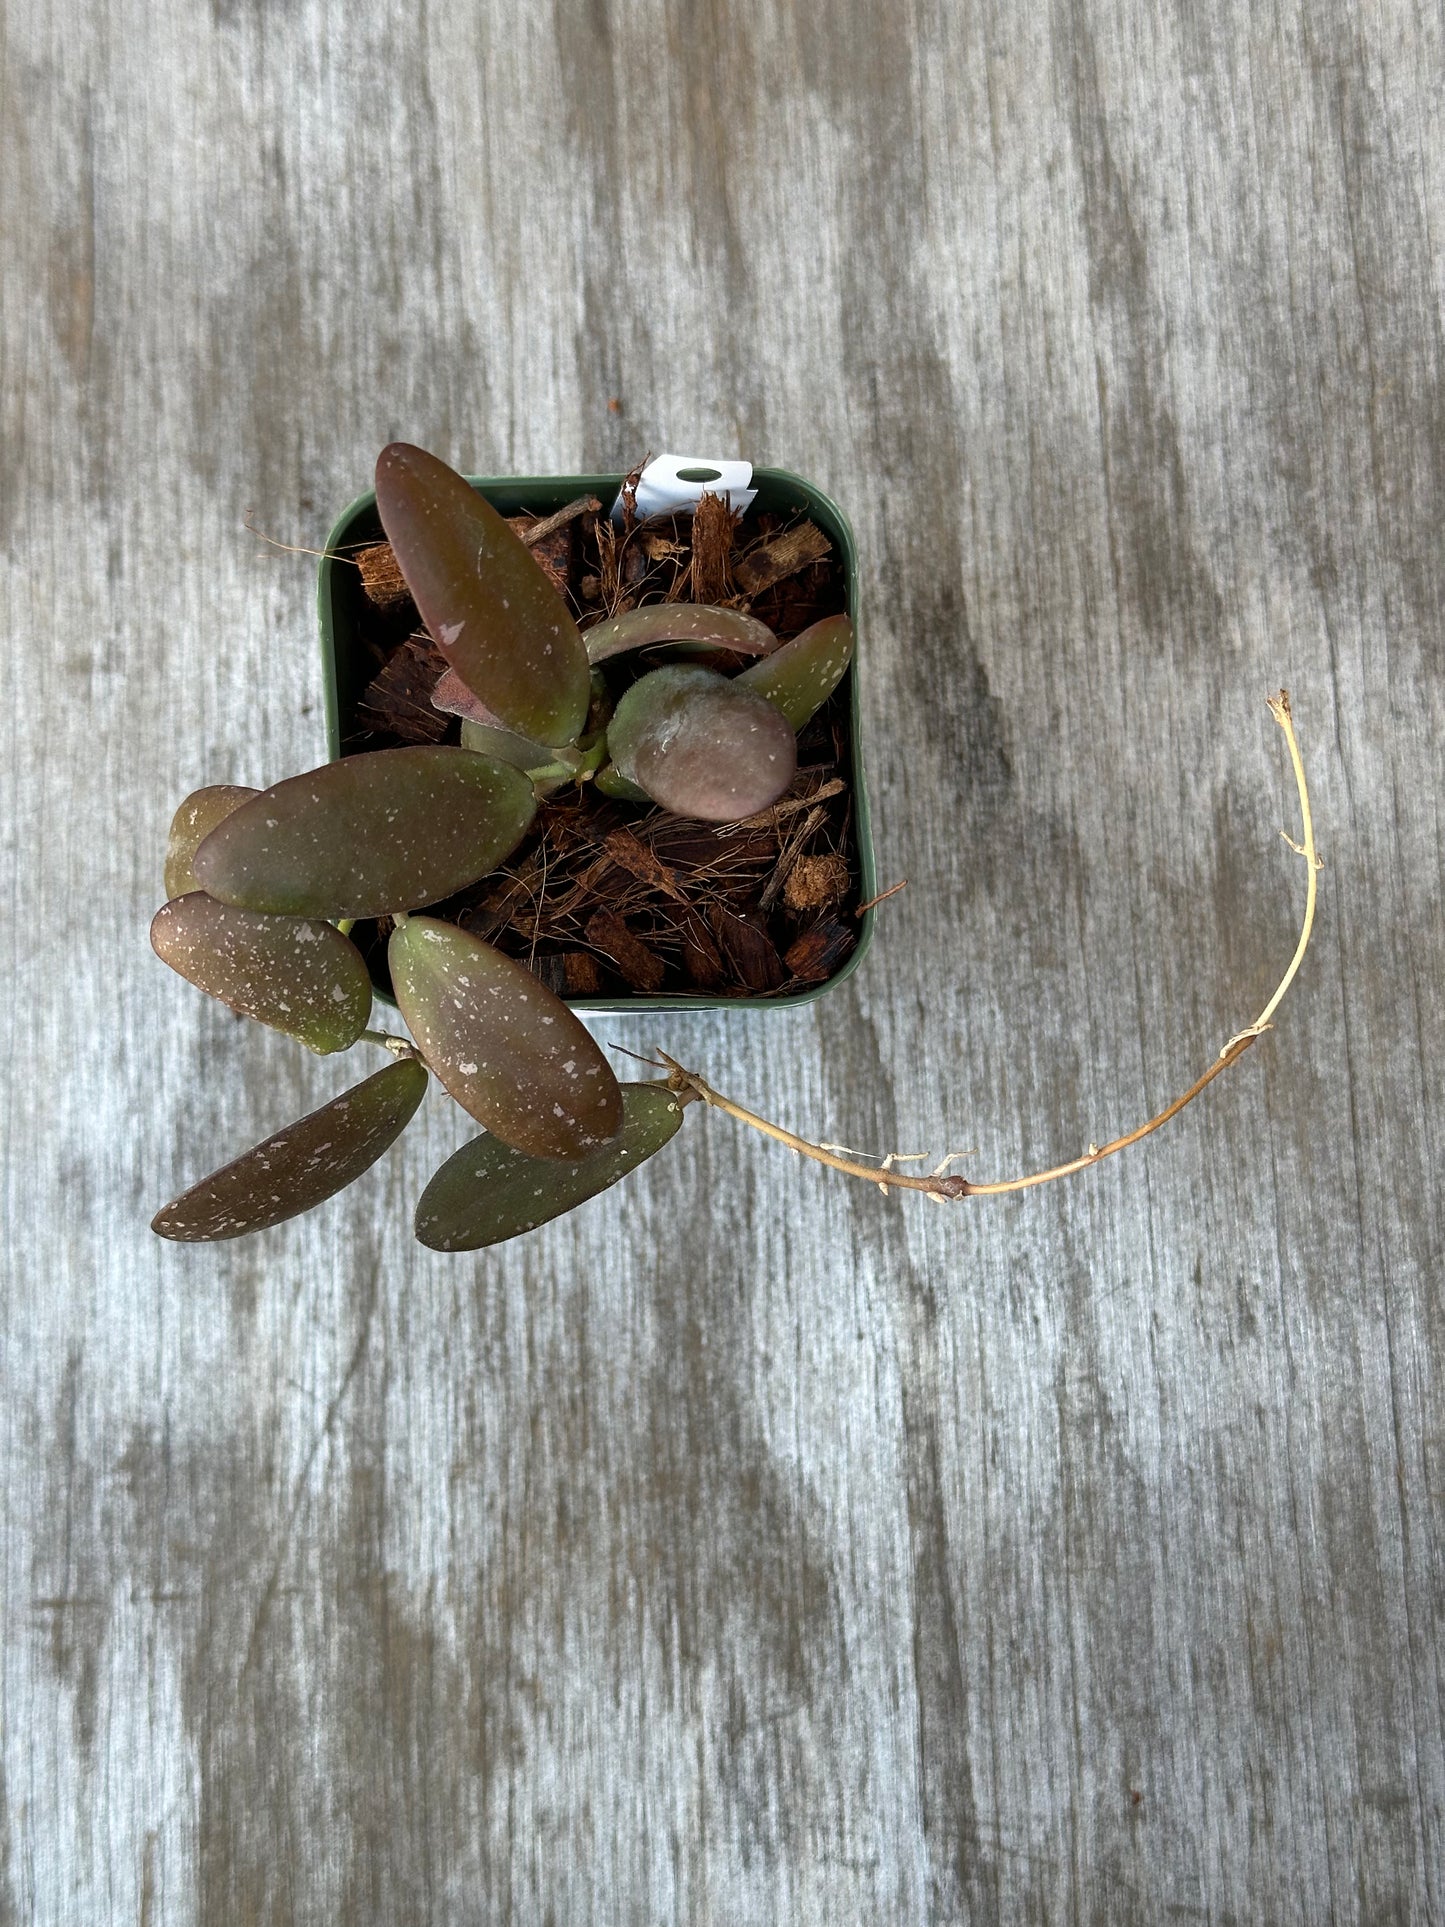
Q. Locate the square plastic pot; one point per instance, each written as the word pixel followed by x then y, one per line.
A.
pixel 340 606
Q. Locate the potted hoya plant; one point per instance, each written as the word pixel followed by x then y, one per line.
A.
pixel 605 698
pixel 583 756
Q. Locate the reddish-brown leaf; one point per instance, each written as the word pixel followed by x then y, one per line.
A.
pixel 509 1052
pixel 491 609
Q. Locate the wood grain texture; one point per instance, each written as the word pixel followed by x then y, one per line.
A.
pixel 752 1547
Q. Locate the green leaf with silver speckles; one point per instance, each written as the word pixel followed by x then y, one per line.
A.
pixel 701 745
pixel 296 974
pixel 370 835
pixel 695 622
pixel 489 605
pixel 800 677
pixel 301 1166
pixel 192 824
pixel 510 1053
pixel 488 1192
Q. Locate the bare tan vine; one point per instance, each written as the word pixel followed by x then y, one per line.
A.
pixel 938 1184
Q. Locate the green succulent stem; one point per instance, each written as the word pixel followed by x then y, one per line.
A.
pixel 398 1046
pixel 580 764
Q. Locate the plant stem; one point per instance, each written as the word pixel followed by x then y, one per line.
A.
pixel 574 763
pixel 686 1083
pixel 942 1187
pixel 398 1046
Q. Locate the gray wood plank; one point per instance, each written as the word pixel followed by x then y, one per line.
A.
pixel 751 1546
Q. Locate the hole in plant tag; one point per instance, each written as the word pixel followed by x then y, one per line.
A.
pixel 674 484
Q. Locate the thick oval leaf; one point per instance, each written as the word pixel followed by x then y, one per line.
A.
pixel 302 1166
pixel 520 752
pixel 295 973
pixel 506 746
pixel 489 605
pixel 800 677
pixel 700 745
pixel 369 835
pixel 697 622
pixel 510 1053
pixel 487 1192
pixel 452 697
pixel 192 824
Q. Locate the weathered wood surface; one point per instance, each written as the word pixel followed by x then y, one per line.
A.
pixel 752 1547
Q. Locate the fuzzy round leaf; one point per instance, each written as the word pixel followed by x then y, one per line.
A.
pixel 482 594
pixel 370 835
pixel 295 973
pixel 695 622
pixel 700 745
pixel 301 1166
pixel 800 677
pixel 192 824
pixel 511 1054
pixel 488 1192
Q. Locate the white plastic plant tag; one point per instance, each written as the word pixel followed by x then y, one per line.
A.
pixel 675 484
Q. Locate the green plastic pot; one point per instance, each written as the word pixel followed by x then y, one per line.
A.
pixel 340 605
